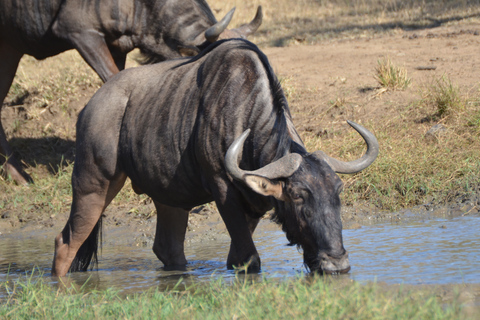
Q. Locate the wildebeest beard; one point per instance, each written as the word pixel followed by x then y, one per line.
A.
pixel 291 224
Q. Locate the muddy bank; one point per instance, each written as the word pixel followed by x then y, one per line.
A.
pixel 364 214
pixel 205 222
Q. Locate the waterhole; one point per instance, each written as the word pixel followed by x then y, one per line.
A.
pixel 437 251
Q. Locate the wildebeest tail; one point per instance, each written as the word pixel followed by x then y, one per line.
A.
pixel 89 250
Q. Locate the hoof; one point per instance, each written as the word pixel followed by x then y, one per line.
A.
pixel 251 265
pixel 15 173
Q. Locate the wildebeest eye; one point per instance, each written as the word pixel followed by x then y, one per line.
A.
pixel 297 196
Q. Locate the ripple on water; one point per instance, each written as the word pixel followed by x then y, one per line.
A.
pixel 437 251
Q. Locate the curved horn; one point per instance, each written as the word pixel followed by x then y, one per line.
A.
pixel 282 168
pixel 359 164
pixel 212 33
pixel 247 29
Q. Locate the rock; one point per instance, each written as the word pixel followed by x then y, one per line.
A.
pixel 435 132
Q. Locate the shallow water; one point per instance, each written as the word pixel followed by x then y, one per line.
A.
pixel 439 251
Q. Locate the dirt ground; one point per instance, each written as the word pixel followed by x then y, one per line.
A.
pixel 345 70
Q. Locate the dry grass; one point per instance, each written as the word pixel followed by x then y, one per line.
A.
pixel 414 168
pixel 313 21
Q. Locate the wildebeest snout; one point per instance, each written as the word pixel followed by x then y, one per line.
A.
pixel 327 264
pixel 332 265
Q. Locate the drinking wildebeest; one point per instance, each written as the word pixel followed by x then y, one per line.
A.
pixel 103 32
pixel 181 130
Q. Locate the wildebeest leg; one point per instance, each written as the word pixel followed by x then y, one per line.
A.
pixel 170 236
pixel 91 195
pixel 232 210
pixel 9 59
pixel 232 254
pixel 94 50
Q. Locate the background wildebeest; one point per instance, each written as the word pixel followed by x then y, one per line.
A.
pixel 103 32
pixel 181 130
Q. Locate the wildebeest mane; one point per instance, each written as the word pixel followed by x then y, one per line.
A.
pixel 283 122
pixel 147 57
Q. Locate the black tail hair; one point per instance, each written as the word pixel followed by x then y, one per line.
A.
pixel 89 250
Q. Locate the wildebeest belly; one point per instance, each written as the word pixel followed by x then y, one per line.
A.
pixel 176 188
pixel 26 26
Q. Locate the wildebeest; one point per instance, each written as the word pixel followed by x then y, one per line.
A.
pixel 103 32
pixel 189 131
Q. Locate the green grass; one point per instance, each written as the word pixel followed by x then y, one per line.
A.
pixel 302 298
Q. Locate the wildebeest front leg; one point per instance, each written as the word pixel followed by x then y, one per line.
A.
pixel 9 59
pixel 232 254
pixel 94 50
pixel 170 236
pixel 232 209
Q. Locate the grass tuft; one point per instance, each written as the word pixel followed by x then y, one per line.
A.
pixel 444 96
pixel 390 76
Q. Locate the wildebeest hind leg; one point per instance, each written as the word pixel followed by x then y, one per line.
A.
pixel 79 237
pixel 9 59
pixel 170 236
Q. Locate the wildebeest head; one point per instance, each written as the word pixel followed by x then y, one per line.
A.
pixel 187 29
pixel 306 192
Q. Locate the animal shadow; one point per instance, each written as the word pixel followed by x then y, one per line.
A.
pixel 51 152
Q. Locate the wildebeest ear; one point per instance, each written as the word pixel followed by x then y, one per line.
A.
pixel 265 186
pixel 188 51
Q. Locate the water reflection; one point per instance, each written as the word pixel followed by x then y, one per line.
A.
pixel 421 252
